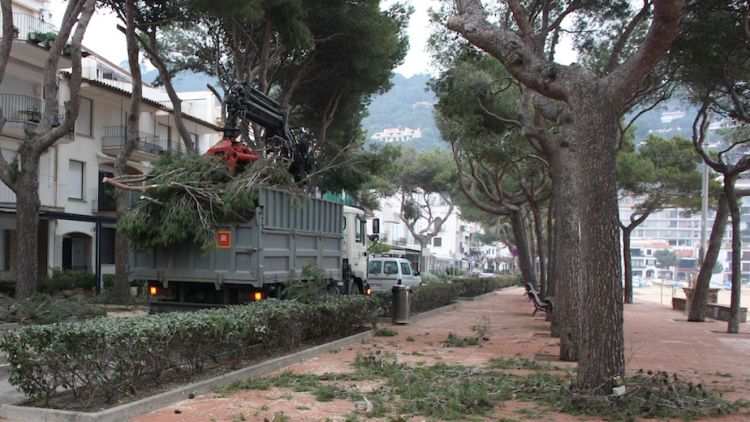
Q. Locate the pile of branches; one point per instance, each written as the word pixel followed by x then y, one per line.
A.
pixel 656 395
pixel 184 198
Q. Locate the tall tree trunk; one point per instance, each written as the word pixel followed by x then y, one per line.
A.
pixel 550 247
pixel 601 356
pixel 733 327
pixel 121 288
pixel 567 261
pixel 700 290
pixel 522 247
pixel 27 225
pixel 422 258
pixel 627 262
pixel 539 233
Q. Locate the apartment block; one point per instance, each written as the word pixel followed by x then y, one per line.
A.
pixel 77 210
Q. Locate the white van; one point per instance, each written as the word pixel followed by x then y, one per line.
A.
pixel 386 272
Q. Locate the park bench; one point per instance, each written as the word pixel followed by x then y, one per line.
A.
pixel 539 304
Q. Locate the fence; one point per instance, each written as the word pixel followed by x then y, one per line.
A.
pixel 27 24
pixel 21 108
pixel 115 137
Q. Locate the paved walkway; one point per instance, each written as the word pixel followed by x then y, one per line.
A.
pixel 656 338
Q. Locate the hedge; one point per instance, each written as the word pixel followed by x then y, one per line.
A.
pixel 113 358
pixel 434 295
pixel 471 287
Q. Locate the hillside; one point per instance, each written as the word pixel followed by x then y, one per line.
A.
pixel 408 104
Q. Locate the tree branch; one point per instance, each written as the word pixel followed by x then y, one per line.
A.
pixel 521 61
pixel 49 118
pixel 623 38
pixel 700 126
pixel 626 78
pixel 149 45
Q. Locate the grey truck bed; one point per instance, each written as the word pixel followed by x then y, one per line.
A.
pixel 284 235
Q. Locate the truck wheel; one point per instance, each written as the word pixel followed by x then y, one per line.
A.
pixel 332 290
pixel 355 289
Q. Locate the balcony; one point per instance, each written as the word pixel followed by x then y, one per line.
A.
pixel 21 109
pixel 147 146
pixel 27 25
pixel 38 35
pixel 21 113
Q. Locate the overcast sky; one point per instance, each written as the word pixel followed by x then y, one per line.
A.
pixel 103 37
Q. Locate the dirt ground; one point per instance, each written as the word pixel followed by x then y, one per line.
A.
pixel 656 338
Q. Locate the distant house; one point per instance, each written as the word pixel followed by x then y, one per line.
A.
pixel 397 134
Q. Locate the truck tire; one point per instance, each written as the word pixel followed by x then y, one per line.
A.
pixel 356 288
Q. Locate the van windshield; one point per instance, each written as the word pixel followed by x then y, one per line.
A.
pixel 375 267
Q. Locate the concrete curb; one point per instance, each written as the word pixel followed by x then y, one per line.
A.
pixel 140 407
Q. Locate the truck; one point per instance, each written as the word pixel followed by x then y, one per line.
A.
pixel 252 260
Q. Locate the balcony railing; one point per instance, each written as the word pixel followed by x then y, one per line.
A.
pixel 21 108
pixel 27 24
pixel 116 136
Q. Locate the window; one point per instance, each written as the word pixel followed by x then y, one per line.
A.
pixel 84 120
pixel 438 241
pixel 375 267
pixel 390 267
pixel 164 133
pixel 107 246
pixel 358 230
pixel 75 180
pixel 405 269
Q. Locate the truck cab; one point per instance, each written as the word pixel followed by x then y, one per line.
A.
pixel 354 250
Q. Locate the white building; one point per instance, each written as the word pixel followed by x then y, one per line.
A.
pixel 679 231
pixel 455 246
pixel 75 206
pixel 397 134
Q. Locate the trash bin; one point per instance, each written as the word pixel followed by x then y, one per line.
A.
pixel 400 309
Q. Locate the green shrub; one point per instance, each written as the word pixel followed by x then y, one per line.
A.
pixel 44 309
pixel 61 279
pixel 471 287
pixel 431 296
pixel 429 278
pixel 108 280
pixel 113 358
pixel 8 287
pixel 384 302
pixel 422 298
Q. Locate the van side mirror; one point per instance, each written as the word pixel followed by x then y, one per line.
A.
pixel 416 272
pixel 375 226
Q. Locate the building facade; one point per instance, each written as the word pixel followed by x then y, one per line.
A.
pixel 77 210
pixel 455 247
